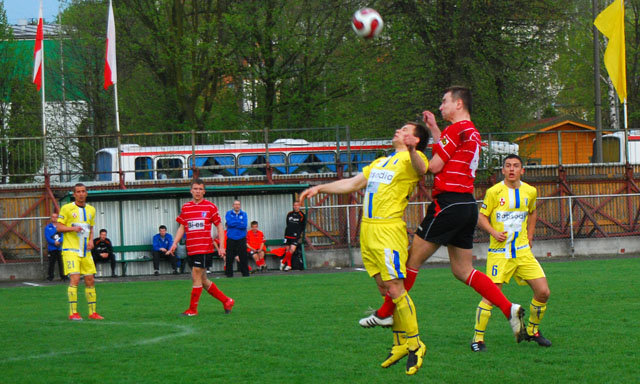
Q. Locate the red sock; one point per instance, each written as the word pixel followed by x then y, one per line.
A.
pixel 287 258
pixel 260 262
pixel 389 306
pixel 195 298
pixel 215 292
pixel 410 278
pixel 484 286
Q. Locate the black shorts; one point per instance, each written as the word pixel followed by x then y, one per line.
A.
pixel 451 220
pixel 203 261
pixel 290 241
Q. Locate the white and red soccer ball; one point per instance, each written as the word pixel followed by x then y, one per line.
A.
pixel 367 23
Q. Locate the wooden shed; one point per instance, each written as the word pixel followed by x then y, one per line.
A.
pixel 560 140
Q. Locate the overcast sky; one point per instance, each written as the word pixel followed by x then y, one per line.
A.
pixel 28 9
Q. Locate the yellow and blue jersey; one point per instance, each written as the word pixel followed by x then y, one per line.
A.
pixel 72 215
pixel 390 182
pixel 508 211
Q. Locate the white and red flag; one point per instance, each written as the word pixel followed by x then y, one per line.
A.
pixel 38 53
pixel 110 70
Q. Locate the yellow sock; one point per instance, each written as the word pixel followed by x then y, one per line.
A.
pixel 399 334
pixel 483 314
pixel 72 294
pixel 536 313
pixel 90 293
pixel 407 314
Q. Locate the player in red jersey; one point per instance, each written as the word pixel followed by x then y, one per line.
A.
pixel 453 215
pixel 195 221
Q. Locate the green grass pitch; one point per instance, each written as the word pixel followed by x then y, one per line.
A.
pixel 302 328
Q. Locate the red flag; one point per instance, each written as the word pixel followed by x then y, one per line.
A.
pixel 37 53
pixel 110 70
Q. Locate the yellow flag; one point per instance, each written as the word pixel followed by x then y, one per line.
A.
pixel 611 23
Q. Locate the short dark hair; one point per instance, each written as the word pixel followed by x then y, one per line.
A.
pixel 512 156
pixel 78 185
pixel 162 227
pixel 197 181
pixel 421 132
pixel 462 93
pixel 103 230
pixel 254 222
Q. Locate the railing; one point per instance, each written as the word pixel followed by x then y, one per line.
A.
pixel 567 217
pixel 73 158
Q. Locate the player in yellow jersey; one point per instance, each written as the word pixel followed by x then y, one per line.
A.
pixel 389 182
pixel 508 214
pixel 76 220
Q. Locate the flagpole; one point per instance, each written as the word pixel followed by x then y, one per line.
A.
pixel 115 101
pixel 626 132
pixel 44 122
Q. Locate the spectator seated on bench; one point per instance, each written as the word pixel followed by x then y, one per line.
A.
pixel 103 251
pixel 255 246
pixel 162 242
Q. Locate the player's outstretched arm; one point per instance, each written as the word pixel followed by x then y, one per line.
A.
pixel 222 248
pixel 352 184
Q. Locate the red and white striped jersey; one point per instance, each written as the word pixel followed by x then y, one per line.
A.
pixel 459 148
pixel 197 220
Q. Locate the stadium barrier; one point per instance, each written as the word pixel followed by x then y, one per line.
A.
pixel 562 219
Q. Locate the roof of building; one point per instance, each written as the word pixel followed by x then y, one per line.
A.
pixel 549 124
pixel 27 31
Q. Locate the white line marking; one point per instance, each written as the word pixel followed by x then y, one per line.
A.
pixel 32 284
pixel 185 330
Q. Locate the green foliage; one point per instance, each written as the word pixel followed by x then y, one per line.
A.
pixel 303 328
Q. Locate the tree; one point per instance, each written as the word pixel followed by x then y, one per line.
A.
pixel 492 47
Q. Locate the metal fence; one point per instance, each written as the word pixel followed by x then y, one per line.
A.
pixel 569 217
pixel 75 158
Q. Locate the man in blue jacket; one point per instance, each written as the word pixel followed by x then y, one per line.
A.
pixel 162 242
pixel 237 221
pixel 54 247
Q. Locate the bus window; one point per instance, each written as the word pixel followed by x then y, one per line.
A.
pixel 224 166
pixel 143 163
pixel 169 168
pixel 104 166
pixel 276 160
pixel 309 163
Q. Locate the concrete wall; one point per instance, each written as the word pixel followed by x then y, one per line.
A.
pixel 541 249
pixel 342 257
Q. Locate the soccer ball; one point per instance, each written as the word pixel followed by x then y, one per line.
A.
pixel 367 23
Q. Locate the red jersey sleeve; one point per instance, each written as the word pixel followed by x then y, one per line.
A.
pixel 449 141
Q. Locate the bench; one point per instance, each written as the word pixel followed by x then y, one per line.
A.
pixel 123 249
pixel 278 243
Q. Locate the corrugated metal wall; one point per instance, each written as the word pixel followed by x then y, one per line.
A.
pixel 141 218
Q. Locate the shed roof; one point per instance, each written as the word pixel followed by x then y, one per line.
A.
pixel 154 193
pixel 557 123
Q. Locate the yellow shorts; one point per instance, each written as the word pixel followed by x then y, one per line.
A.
pixel 75 264
pixel 524 267
pixel 384 247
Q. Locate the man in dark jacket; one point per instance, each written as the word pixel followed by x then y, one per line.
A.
pixel 103 251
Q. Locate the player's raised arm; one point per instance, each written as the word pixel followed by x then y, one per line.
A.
pixel 343 186
pixel 430 120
